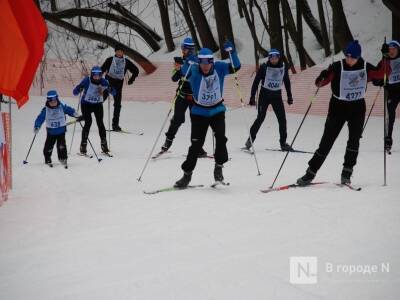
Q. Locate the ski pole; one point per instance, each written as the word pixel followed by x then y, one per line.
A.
pixel 25 161
pixel 243 105
pixel 164 122
pixel 295 136
pixel 90 143
pixel 73 131
pixel 370 111
pixel 385 122
pixel 109 122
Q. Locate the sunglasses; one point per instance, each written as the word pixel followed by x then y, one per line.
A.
pixel 206 61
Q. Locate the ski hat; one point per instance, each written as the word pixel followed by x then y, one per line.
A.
pixel 51 95
pixel 353 49
pixel 96 70
pixel 274 52
pixel 119 46
pixel 188 44
pixel 205 56
pixel 394 44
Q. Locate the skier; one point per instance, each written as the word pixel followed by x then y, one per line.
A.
pixel 391 52
pixel 115 68
pixel 207 82
pixel 348 78
pixel 271 74
pixel 92 102
pixel 54 115
pixel 184 98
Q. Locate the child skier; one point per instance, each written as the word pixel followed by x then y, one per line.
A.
pixel 92 102
pixel 115 68
pixel 348 78
pixel 54 115
pixel 271 74
pixel 207 82
pixel 185 97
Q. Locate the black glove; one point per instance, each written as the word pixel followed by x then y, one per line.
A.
pixel 378 82
pixel 385 49
pixel 131 80
pixel 252 101
pixel 321 77
pixel 290 100
pixel 80 118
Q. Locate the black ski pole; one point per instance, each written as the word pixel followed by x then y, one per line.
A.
pixel 370 111
pixel 25 161
pixel 385 121
pixel 90 143
pixel 295 136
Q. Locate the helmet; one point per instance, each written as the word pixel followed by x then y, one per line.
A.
pixel 188 44
pixel 96 70
pixel 394 44
pixel 52 95
pixel 274 53
pixel 205 56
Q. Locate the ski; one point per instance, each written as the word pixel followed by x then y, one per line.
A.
pixel 248 151
pixel 202 156
pixel 294 150
pixel 172 188
pixel 350 186
pixel 126 132
pixel 108 154
pixel 50 164
pixel 84 155
pixel 159 154
pixel 290 186
pixel 217 183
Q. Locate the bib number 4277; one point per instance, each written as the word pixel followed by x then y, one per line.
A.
pixel 353 96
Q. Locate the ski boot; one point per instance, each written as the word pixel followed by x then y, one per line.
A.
pixel 346 174
pixel 104 147
pixel 218 176
pixel 83 148
pixel 286 147
pixel 202 153
pixel 307 178
pixel 388 144
pixel 47 161
pixel 247 145
pixel 184 181
pixel 116 128
pixel 167 145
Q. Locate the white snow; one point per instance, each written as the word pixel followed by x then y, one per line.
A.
pixel 90 232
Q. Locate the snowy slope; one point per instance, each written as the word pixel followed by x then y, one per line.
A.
pixel 89 232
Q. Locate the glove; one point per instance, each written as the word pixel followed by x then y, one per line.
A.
pixel 192 59
pixel 385 49
pixel 228 46
pixel 321 77
pixel 252 101
pixel 36 130
pixel 290 101
pixel 378 82
pixel 131 80
pixel 79 118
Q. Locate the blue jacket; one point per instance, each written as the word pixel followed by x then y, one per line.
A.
pixel 84 85
pixel 42 117
pixel 195 76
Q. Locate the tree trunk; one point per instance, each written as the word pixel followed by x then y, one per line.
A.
pixel 341 30
pixel 299 13
pixel 395 27
pixel 147 66
pixel 262 17
pixel 311 21
pixel 241 15
pixel 206 36
pixel 287 49
pixel 324 30
pixel 53 5
pixel 224 24
pixel 186 14
pixel 274 18
pixel 169 41
pixel 291 27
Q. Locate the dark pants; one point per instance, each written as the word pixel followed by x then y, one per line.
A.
pixel 61 147
pixel 116 84
pixel 181 105
pixel 392 106
pixel 339 113
pixel 199 131
pixel 264 101
pixel 87 110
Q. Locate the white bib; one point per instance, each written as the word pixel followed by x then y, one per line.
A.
pixel 55 117
pixel 117 68
pixel 394 76
pixel 353 84
pixel 209 91
pixel 273 78
pixel 93 94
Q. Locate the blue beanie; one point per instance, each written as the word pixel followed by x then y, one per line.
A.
pixel 353 49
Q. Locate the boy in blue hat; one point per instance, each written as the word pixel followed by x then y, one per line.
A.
pixel 93 88
pixel 185 97
pixel 271 75
pixel 391 53
pixel 54 114
pixel 207 81
pixel 348 78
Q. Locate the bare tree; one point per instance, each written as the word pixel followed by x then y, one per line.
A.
pixel 169 41
pixel 341 30
pixel 311 21
pixel 324 31
pixel 299 14
pixel 186 14
pixel 203 28
pixel 394 6
pixel 224 24
pixel 274 20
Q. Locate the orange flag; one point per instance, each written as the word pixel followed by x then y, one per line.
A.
pixel 22 37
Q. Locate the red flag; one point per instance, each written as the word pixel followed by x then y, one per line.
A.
pixel 22 37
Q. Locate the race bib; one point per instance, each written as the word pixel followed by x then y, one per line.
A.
pixel 94 93
pixel 55 117
pixel 117 68
pixel 353 84
pixel 273 78
pixel 210 90
pixel 394 76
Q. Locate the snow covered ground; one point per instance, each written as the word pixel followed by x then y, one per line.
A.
pixel 90 232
